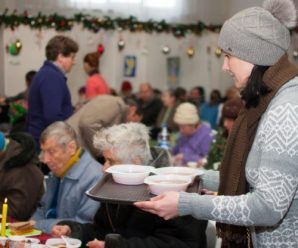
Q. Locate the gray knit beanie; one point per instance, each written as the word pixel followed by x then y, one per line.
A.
pixel 259 35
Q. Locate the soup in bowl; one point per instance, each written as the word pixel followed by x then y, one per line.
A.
pixel 179 170
pixel 129 174
pixel 60 243
pixel 162 183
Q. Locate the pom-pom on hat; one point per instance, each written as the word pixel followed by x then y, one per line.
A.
pixel 186 114
pixel 2 141
pixel 259 35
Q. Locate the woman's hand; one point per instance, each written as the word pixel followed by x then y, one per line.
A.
pixel 59 230
pixel 96 244
pixel 179 157
pixel 164 205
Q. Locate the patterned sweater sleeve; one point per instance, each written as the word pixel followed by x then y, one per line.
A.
pixel 271 170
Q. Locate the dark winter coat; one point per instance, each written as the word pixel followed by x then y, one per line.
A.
pixel 21 181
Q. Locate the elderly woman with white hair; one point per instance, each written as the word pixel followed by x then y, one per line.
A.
pixel 124 144
pixel 125 226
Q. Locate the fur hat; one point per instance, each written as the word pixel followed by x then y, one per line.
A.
pixel 259 35
pixel 186 113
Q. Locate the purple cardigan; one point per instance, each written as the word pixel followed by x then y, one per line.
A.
pixel 49 99
pixel 196 146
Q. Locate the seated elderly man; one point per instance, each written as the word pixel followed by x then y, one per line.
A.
pixel 124 226
pixel 73 171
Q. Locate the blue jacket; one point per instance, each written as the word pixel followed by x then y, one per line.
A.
pixel 49 99
pixel 73 203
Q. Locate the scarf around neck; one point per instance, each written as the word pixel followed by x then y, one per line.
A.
pixel 240 140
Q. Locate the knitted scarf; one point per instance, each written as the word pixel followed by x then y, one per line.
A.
pixel 240 140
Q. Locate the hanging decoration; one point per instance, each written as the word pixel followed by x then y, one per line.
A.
pixel 166 50
pixel 190 52
pixel 218 52
pixel 95 24
pixel 121 44
pixel 14 48
pixel 100 49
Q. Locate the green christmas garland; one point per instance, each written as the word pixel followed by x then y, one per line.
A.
pixel 95 24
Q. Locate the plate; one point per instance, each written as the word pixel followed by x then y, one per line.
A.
pixel 32 240
pixel 35 232
pixel 57 242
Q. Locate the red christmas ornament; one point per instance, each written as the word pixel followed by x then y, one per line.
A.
pixel 100 49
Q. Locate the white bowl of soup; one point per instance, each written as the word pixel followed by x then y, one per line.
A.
pixel 179 170
pixel 159 184
pixel 60 243
pixel 129 174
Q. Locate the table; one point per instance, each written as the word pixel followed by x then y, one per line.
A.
pixel 43 237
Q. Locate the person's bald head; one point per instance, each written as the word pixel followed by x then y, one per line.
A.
pixel 145 91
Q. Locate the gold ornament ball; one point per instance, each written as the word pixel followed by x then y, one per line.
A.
pixel 218 52
pixel 18 44
pixel 190 52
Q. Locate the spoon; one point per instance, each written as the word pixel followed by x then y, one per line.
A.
pixel 66 241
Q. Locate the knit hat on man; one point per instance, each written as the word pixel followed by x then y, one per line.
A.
pixel 259 35
pixel 186 114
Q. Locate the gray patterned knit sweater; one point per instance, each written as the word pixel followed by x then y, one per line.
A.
pixel 270 209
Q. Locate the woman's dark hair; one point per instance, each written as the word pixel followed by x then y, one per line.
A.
pixel 29 76
pixel 255 87
pixel 180 94
pixel 92 59
pixel 215 97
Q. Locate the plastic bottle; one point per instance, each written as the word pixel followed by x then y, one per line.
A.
pixel 164 138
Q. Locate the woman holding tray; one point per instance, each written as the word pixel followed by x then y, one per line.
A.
pixel 259 171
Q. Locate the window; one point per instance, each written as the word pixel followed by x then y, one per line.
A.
pixel 146 3
pixel 160 3
pixel 125 1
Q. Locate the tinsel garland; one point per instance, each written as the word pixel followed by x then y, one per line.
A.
pixel 95 24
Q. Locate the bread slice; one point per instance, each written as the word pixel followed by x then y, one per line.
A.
pixel 21 228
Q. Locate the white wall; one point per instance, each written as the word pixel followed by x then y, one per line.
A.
pixel 202 69
pixel 237 5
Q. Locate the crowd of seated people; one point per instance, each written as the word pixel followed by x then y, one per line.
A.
pixel 101 131
pixel 120 226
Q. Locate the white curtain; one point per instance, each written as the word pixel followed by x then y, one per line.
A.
pixel 169 10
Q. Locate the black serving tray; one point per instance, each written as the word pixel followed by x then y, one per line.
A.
pixel 106 190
